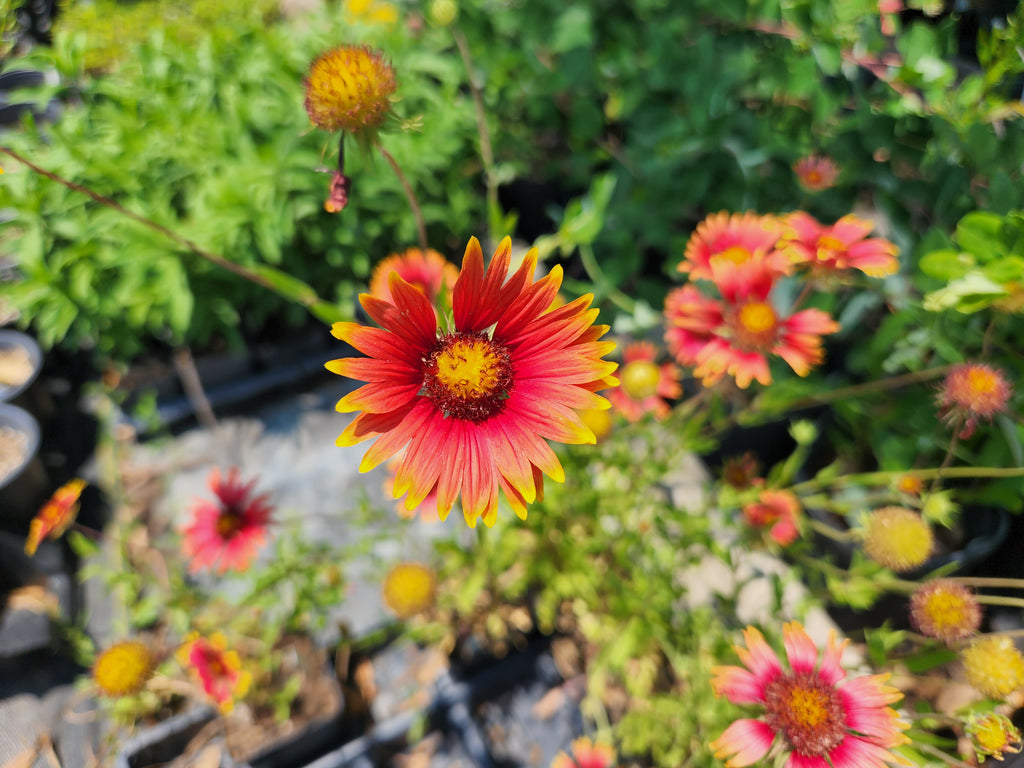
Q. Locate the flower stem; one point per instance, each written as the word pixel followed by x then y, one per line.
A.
pixel 869 387
pixel 421 227
pixel 883 477
pixel 828 531
pixel 600 280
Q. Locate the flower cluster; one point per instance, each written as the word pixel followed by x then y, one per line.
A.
pixel 734 325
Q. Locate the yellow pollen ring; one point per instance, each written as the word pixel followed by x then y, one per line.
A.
pixel 469 369
pixel 808 708
pixel 757 317
pixel 737 254
pixel 946 610
pixel 981 382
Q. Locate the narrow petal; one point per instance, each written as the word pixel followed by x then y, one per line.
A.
pixel 747 740
pixel 367 425
pixel 737 685
pixel 796 760
pixel 854 752
pixel 831 669
pixel 372 369
pixel 758 656
pixel 800 649
pixel 379 397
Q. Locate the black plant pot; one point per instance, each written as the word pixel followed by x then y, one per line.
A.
pixel 28 394
pixel 24 489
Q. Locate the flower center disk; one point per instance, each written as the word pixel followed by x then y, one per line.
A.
pixel 755 325
pixel 807 710
pixel 468 376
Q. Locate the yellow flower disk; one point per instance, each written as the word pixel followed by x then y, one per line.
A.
pixel 348 88
pixel 897 538
pixel 123 668
pixel 409 589
pixel 994 666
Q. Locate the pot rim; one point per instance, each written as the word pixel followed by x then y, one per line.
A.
pixel 22 421
pixel 11 339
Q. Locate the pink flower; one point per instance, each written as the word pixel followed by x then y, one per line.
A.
pixel 779 512
pixel 735 336
pixel 227 533
pixel 586 754
pixel 973 391
pixel 810 710
pixel 737 238
pixel 644 385
pixel 216 668
pixel 816 172
pixel 839 247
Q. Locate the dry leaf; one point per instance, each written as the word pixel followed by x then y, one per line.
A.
pixel 209 757
pixel 35 598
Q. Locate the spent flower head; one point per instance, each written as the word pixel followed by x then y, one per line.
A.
pixel 55 516
pixel 897 538
pixel 349 88
pixel 778 511
pixel 123 668
pixel 945 610
pixel 816 172
pixel 994 665
pixel 970 392
pixel 409 589
pixel 993 735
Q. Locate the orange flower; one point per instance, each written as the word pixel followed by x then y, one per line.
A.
pixel 816 173
pixel 217 669
pixel 474 405
pixel 779 511
pixel 973 391
pixel 838 247
pixel 586 754
pixel 227 533
pixel 645 385
pixel 945 610
pixel 348 88
pixel 428 270
pixel 742 471
pixel 56 515
pixel 810 709
pixel 744 329
pixel 737 238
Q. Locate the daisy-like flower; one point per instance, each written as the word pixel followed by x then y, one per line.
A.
pixel 349 88
pixel 55 516
pixel 645 386
pixel 691 321
pixel 945 610
pixel 217 669
pixel 123 668
pixel 743 471
pixel 993 736
pixel 751 329
pixel 816 172
pixel 227 533
pixel 586 754
pixel 777 510
pixel 810 710
pixel 371 11
pixel 838 247
pixel 428 270
pixel 409 589
pixel 897 538
pixel 737 238
pixel 473 405
pixel 970 392
pixel 993 665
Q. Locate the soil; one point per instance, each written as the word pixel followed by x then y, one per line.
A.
pixel 13 448
pixel 15 367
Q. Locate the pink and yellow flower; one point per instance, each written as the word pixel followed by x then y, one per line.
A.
pixel 736 336
pixel 841 246
pixel 55 516
pixel 474 405
pixel 777 510
pixel 970 392
pixel 217 669
pixel 816 172
pixel 586 754
pixel 428 271
pixel 227 533
pixel 810 710
pixel 645 386
pixel 737 238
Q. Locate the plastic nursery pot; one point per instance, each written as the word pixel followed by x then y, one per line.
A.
pixel 168 740
pixel 21 360
pixel 23 482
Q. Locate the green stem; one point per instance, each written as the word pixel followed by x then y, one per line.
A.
pixel 832 533
pixel 884 477
pixel 870 387
pixel 421 227
pixel 989 581
pixel 597 276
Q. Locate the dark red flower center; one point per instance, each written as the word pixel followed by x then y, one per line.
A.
pixel 807 710
pixel 468 376
pixel 229 522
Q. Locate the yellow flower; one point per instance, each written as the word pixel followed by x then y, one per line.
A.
pixel 348 89
pixel 371 11
pixel 994 666
pixel 897 538
pixel 409 589
pixel 945 610
pixel 123 668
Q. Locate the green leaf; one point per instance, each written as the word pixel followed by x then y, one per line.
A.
pixel 290 287
pixel 572 29
pixel 946 264
pixel 970 293
pixel 979 233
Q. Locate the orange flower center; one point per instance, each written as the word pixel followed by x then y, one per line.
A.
pixel 737 254
pixel 982 382
pixel 640 379
pixel 813 177
pixel 755 325
pixel 468 376
pixel 807 710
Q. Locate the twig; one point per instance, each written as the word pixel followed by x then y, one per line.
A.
pixel 421 227
pixel 193 386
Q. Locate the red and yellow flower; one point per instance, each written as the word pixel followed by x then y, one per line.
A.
pixel 474 405
pixel 816 172
pixel 586 754
pixel 777 510
pixel 227 533
pixel 735 336
pixel 55 516
pixel 645 386
pixel 217 669
pixel 349 88
pixel 810 710
pixel 736 238
pixel 970 392
pixel 427 270
pixel 841 246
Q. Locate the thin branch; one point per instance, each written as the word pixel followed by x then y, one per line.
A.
pixel 421 227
